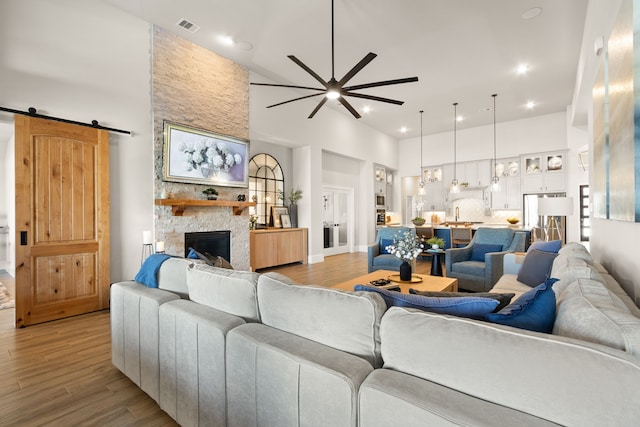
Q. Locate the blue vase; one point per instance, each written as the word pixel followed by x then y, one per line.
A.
pixel 405 271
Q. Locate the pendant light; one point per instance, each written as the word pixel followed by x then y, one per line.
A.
pixel 454 182
pixel 495 180
pixel 421 190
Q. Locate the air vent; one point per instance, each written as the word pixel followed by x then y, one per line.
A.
pixel 188 25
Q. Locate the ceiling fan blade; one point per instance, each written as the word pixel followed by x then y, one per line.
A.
pixel 382 83
pixel 291 86
pixel 295 99
pixel 315 110
pixel 308 70
pixel 359 66
pixel 373 98
pixel 349 107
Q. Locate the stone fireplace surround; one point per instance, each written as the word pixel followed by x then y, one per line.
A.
pixel 196 87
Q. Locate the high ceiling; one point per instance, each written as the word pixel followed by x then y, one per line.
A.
pixel 461 50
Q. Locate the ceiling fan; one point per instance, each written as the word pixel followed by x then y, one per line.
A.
pixel 336 89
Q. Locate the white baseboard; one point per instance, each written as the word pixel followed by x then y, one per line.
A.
pixel 312 259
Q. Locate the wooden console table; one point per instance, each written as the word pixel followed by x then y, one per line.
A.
pixel 277 246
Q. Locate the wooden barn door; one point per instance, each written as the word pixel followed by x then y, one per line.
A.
pixel 62 220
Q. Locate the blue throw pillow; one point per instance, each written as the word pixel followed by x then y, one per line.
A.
pixel 383 245
pixel 536 267
pixel 464 306
pixel 535 310
pixel 550 246
pixel 478 250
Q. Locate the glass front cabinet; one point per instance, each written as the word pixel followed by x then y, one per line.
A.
pixel 544 172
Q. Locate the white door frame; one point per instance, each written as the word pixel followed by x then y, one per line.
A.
pixel 349 247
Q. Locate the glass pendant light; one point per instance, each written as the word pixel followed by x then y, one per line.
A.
pixel 421 190
pixel 495 180
pixel 454 188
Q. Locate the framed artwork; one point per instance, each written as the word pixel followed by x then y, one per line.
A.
pixel 197 156
pixel 286 221
pixel 276 214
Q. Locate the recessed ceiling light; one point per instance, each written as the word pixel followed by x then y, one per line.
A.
pixel 366 109
pixel 531 13
pixel 459 118
pixel 403 129
pixel 530 105
pixel 226 40
pixel 522 69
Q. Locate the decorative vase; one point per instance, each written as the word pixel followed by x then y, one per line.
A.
pixel 435 247
pixel 293 215
pixel 405 271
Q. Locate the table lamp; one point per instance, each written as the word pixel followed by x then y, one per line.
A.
pixel 554 207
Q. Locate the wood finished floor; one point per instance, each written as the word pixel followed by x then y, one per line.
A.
pixel 60 373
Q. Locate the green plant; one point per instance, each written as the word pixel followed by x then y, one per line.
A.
pixel 210 191
pixel 436 241
pixel 295 194
pixel 418 218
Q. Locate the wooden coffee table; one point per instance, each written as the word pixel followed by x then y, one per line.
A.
pixel 429 283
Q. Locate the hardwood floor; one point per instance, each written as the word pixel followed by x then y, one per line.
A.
pixel 60 373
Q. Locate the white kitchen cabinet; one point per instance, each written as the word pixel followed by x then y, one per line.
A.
pixel 474 174
pixel 544 172
pixel 510 194
pixel 435 186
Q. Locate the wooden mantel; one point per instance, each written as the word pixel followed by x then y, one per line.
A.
pixel 179 205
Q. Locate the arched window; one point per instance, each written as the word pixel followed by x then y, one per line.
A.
pixel 266 185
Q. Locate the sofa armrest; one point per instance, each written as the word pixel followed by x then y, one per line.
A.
pixel 493 267
pixel 512 262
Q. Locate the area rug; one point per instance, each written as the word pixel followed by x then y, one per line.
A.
pixel 5 299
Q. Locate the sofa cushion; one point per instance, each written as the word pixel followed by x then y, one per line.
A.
pixel 536 267
pixel 550 246
pixel 347 321
pixel 503 298
pixel 509 283
pixel 535 310
pixel 231 291
pixel 465 306
pixel 479 250
pixel 589 311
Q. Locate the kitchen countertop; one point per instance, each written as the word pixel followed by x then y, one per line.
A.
pixel 475 225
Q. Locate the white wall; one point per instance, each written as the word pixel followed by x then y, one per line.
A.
pixel 85 60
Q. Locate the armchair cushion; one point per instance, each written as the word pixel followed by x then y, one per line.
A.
pixel 550 246
pixel 383 246
pixel 478 250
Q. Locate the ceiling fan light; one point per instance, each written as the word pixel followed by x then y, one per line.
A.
pixel 333 94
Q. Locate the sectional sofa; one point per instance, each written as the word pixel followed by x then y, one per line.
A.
pixel 218 347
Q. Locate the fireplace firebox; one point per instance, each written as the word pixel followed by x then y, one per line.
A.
pixel 216 243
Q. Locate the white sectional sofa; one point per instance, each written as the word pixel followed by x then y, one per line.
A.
pixel 248 349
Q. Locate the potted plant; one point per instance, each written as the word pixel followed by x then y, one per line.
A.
pixel 211 193
pixel 435 242
pixel 418 221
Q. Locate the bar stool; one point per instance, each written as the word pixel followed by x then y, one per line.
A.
pixel 460 236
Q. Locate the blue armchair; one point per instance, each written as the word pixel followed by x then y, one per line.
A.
pixel 478 266
pixel 377 258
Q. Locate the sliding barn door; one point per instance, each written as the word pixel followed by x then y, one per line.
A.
pixel 62 220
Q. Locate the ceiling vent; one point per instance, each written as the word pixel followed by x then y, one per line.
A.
pixel 188 25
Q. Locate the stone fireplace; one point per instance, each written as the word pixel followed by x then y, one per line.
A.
pixel 195 87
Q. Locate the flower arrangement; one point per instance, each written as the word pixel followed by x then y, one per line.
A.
pixel 253 220
pixel 295 194
pixel 210 156
pixel 406 246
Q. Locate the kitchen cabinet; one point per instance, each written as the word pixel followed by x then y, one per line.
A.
pixel 475 174
pixel 434 188
pixel 544 172
pixel 277 246
pixel 510 194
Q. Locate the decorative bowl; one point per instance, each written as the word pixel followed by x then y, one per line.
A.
pixel 418 221
pixel 513 221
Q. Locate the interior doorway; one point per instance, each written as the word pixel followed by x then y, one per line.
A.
pixel 338 220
